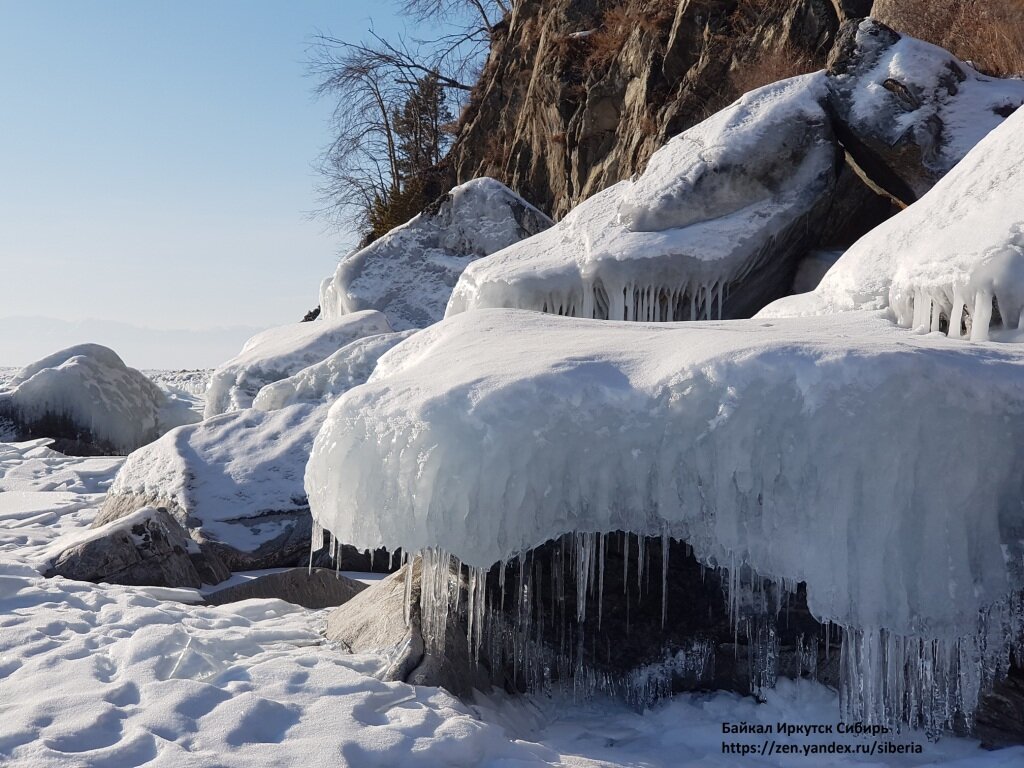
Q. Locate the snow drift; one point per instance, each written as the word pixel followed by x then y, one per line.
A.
pixel 712 228
pixel 88 398
pixel 408 274
pixel 278 353
pixel 951 262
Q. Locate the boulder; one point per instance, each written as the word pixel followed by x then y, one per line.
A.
pixel 89 402
pixel 408 274
pixel 310 588
pixel 146 548
pixel 235 481
pixel 375 621
pixel 908 111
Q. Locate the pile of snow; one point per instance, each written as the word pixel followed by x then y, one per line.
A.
pixel 951 262
pixel 712 228
pixel 236 479
pixel 912 105
pixel 278 353
pixel 87 394
pixel 408 274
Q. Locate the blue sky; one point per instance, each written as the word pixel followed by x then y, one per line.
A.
pixel 155 159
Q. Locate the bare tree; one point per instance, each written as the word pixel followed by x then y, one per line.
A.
pixel 372 82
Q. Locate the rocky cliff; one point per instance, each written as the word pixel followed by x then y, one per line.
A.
pixel 577 94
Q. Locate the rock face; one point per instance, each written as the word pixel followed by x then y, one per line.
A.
pixel 89 402
pixel 578 94
pixel 907 111
pixel 408 274
pixel 319 588
pixel 147 547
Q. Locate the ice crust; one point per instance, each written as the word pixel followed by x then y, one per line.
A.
pixel 710 209
pixel 92 388
pixel 278 353
pixel 408 274
pixel 952 262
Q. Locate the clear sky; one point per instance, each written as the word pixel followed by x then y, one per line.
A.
pixel 156 160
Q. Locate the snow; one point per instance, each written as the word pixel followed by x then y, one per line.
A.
pixel 940 263
pixel 90 386
pixel 942 90
pixel 719 203
pixel 278 353
pixel 408 274
pixel 224 473
pixel 100 675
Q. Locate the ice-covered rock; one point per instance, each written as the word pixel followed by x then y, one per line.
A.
pixel 408 274
pixel 235 481
pixel 278 353
pixel 90 402
pixel 952 262
pixel 145 548
pixel 908 111
pixel 712 228
pixel 756 441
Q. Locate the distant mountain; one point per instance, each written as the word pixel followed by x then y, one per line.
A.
pixel 24 339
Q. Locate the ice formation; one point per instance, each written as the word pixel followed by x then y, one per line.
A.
pixel 236 479
pixel 757 442
pixel 278 353
pixel 711 229
pixel 88 395
pixel 408 274
pixel 952 262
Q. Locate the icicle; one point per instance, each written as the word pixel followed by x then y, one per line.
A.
pixel 408 564
pixel 664 576
pixel 600 583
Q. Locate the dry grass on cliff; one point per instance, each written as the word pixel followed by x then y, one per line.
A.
pixel 618 22
pixel 989 33
pixel 771 66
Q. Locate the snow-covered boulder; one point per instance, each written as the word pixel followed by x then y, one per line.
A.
pixel 90 402
pixel 881 468
pixel 952 262
pixel 278 353
pixel 235 481
pixel 309 587
pixel 714 227
pixel 408 274
pixel 908 111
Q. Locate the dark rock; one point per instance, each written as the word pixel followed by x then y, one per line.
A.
pixel 999 719
pixel 312 315
pixel 147 548
pixel 319 588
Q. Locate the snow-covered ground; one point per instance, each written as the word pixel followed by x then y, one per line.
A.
pixel 100 675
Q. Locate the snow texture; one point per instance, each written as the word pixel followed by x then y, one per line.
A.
pixel 278 353
pixel 229 477
pixel 951 262
pixel 89 389
pixel 723 202
pixel 408 274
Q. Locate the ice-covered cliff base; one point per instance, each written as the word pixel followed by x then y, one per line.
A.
pixel 880 467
